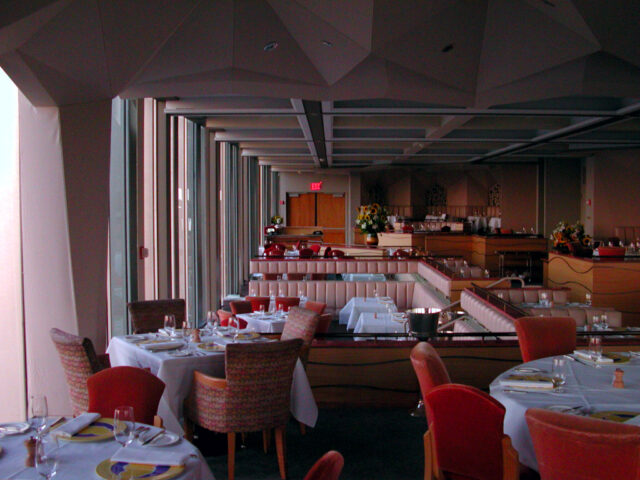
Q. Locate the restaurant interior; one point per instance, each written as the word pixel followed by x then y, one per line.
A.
pixel 263 239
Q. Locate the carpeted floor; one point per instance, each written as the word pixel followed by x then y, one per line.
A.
pixel 376 444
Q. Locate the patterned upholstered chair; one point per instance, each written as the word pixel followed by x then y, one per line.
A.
pixel 301 323
pixel 254 396
pixel 79 361
pixel 148 315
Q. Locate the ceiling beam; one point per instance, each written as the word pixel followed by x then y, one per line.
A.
pixel 298 107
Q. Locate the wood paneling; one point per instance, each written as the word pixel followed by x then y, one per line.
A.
pixel 333 235
pixel 330 210
pixel 301 209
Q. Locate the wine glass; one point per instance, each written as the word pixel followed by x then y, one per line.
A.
pixel 558 372
pixel 595 347
pixel 261 309
pixel 595 322
pixel 587 298
pixel 39 412
pixel 123 425
pixel 45 457
pixel 603 321
pixel 170 324
pixel 212 320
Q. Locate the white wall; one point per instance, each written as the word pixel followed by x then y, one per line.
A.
pixel 13 391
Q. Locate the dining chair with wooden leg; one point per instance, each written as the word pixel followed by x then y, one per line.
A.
pixel 255 395
pixel 541 337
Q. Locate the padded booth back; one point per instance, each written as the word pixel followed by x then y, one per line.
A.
pixel 487 314
pixel 558 296
pixel 330 265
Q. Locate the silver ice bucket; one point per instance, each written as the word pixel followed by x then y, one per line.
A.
pixel 423 322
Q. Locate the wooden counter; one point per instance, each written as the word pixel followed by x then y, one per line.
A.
pixel 612 282
pixel 484 248
pixel 396 239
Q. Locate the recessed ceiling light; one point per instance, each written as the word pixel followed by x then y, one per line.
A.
pixel 327 43
pixel 447 48
pixel 270 46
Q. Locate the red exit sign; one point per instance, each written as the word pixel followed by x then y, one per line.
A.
pixel 315 186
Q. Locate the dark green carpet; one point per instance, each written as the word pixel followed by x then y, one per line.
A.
pixel 376 444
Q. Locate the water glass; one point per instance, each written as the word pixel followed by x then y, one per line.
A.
pixel 587 298
pixel 123 425
pixel 595 347
pixel 39 412
pixel 603 321
pixel 595 322
pixel 544 299
pixel 559 372
pixel 212 320
pixel 261 309
pixel 46 458
pixel 170 324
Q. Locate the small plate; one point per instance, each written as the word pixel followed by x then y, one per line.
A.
pixel 211 347
pixel 179 353
pixel 248 336
pixel 164 440
pixel 14 428
pixel 135 338
pixel 101 429
pixel 108 469
pixel 615 415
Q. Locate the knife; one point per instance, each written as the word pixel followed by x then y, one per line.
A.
pixel 153 437
pixel 584 362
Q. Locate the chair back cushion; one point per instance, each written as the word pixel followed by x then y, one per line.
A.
pixel 223 317
pixel 240 306
pixel 429 368
pixel 301 323
pixel 315 247
pixel 545 336
pixel 583 448
pixel 256 302
pixel 328 467
pixel 305 253
pixel 317 307
pixel 324 322
pixel 466 425
pixel 117 386
pixel 286 303
pixel 79 362
pixel 148 315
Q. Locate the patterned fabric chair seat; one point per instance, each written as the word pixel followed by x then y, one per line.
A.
pixel 79 361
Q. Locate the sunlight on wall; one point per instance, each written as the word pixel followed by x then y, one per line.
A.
pixel 12 394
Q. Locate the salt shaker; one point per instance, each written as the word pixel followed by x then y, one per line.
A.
pixel 617 378
pixel 30 445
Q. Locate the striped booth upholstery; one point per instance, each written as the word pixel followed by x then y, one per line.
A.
pixel 80 362
pixel 330 265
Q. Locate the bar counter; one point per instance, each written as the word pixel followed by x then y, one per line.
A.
pixel 612 281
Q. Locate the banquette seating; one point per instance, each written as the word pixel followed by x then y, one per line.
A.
pixel 330 265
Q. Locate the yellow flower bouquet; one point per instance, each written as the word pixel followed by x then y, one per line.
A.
pixel 371 218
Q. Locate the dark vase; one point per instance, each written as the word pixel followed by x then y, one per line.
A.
pixel 371 239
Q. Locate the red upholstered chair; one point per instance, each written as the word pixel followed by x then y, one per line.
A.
pixel 336 254
pixel 305 253
pixel 545 336
pixel 79 361
pixel 236 405
pixel 401 254
pixel 465 439
pixel 315 247
pixel 132 386
pixel 148 315
pixel 324 322
pixel 286 303
pixel 256 302
pixel 239 306
pixel 328 467
pixel 583 448
pixel 274 252
pixel 429 368
pixel 327 252
pixel 224 317
pixel 317 307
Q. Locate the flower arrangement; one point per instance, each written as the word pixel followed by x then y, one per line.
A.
pixel 371 218
pixel 564 234
pixel 276 220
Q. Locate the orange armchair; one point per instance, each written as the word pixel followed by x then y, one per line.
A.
pixel 239 306
pixel 545 336
pixel 257 302
pixel 328 467
pixel 286 303
pixel 429 368
pixel 317 307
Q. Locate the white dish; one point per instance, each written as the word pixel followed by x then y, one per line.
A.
pixel 14 428
pixel 135 338
pixel 164 440
pixel 179 353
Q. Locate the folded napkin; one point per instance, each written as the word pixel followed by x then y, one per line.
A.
pixel 527 381
pixel 168 345
pixel 150 456
pixel 587 356
pixel 166 333
pixel 74 425
pixel 634 421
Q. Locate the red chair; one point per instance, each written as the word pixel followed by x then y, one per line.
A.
pixel 286 303
pixel 315 247
pixel 295 276
pixel 401 254
pixel 429 368
pixel 224 317
pixel 238 307
pixel 257 302
pixel 583 448
pixel 336 254
pixel 328 467
pixel 327 252
pixel 116 386
pixel 274 252
pixel 317 307
pixel 545 336
pixel 305 253
pixel 324 322
pixel 465 437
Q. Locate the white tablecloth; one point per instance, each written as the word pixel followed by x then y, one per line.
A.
pixel 268 323
pixel 351 311
pixel 377 323
pixel 585 386
pixel 78 461
pixel 177 374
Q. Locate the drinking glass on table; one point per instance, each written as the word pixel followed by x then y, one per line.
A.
pixel 587 298
pixel 595 322
pixel 261 310
pixel 603 321
pixel 123 425
pixel 212 320
pixel 558 372
pixel 46 459
pixel 170 324
pixel 39 412
pixel 595 347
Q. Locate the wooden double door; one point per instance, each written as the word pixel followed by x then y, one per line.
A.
pixel 326 211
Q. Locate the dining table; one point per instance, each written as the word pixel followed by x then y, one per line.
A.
pixel 350 313
pixel 175 368
pixel 78 460
pixel 369 322
pixel 264 322
pixel 587 390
